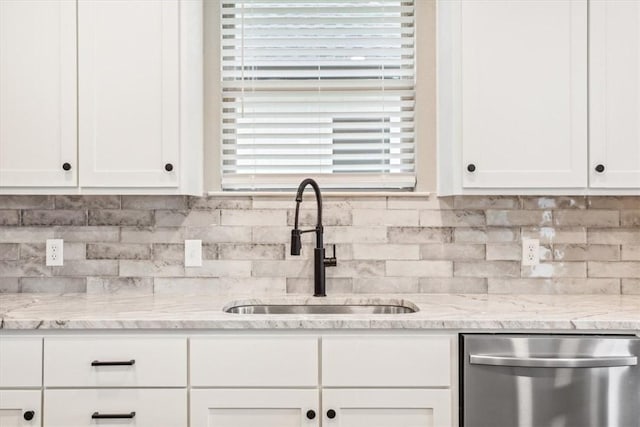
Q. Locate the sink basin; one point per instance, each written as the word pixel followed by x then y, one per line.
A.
pixel 320 309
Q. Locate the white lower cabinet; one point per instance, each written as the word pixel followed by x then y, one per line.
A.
pixel 255 407
pixel 20 408
pixel 386 407
pixel 115 408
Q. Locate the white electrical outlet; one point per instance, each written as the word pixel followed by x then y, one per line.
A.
pixel 193 253
pixel 55 252
pixel 530 252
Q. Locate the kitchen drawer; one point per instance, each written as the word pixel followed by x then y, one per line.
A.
pixel 132 361
pixel 386 361
pixel 20 361
pixel 152 407
pixel 20 408
pixel 254 361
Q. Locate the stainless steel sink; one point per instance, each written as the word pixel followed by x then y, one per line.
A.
pixel 320 309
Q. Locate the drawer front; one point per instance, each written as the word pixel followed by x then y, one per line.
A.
pixel 134 361
pixel 20 361
pixel 20 408
pixel 386 361
pixel 144 408
pixel 256 361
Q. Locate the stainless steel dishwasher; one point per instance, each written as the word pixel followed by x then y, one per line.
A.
pixel 549 381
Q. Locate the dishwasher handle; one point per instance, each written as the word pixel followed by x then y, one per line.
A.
pixel 553 362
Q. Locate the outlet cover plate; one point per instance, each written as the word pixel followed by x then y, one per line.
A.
pixel 193 253
pixel 530 252
pixel 55 252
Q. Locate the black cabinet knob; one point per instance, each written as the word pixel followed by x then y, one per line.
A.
pixel 66 166
pixel 331 414
pixel 168 167
pixel 28 415
pixel 471 167
pixel 311 414
pixel 600 168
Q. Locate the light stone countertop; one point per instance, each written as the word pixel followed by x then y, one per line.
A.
pixel 436 311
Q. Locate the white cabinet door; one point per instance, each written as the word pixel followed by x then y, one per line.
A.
pixel 20 408
pixel 614 93
pixel 524 93
pixel 38 93
pixel 386 407
pixel 254 407
pixel 129 60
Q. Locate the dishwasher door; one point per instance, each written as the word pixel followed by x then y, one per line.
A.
pixel 550 381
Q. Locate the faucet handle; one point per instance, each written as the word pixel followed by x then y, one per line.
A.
pixel 331 261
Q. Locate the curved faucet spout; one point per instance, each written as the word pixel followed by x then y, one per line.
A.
pixel 316 190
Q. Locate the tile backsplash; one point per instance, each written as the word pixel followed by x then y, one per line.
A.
pixel 384 244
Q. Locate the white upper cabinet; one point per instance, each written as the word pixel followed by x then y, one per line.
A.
pixel 129 84
pixel 38 136
pixel 524 93
pixel 614 94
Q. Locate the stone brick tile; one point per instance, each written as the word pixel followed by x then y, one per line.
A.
pixel 586 252
pixel 555 202
pixel 118 251
pixel 419 268
pixel 87 202
pixel 356 268
pixel 614 236
pixel 630 252
pixel 187 218
pixel 555 269
pixel 235 286
pixel 153 235
pixel 631 286
pixel 486 269
pixel 282 268
pixel 384 217
pixel 486 202
pixel 613 202
pixel 24 268
pixel 26 202
pixel 9 217
pixel 349 203
pixel 155 268
pixel 625 269
pixel 346 234
pixel 419 235
pixel 590 218
pixel 125 217
pixel 452 251
pixel 630 218
pixel 385 251
pixel 268 235
pixel 25 234
pixel 457 218
pixel 385 285
pixel 554 286
pixel 453 285
pixel 9 251
pixel 420 203
pixel 513 252
pixel 220 268
pixel 251 251
pixel 9 285
pixel 120 285
pixel 330 217
pixel 87 268
pixel 219 234
pixel 154 202
pixel 551 235
pixel 335 285
pixel 509 218
pixel 486 235
pixel 53 284
pixel 54 217
pixel 253 217
pixel 217 203
pixel 175 251
pixel 87 234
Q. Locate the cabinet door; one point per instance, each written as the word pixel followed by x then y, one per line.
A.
pixel 254 407
pixel 615 93
pixel 524 93
pixel 37 93
pixel 20 408
pixel 129 92
pixel 386 407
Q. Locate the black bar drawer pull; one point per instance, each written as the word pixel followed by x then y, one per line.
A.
pixel 99 416
pixel 114 363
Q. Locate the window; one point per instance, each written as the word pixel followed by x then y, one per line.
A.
pixel 318 88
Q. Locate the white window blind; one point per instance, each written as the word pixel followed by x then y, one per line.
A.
pixel 318 88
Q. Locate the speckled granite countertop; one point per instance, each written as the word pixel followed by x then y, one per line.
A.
pixel 436 311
